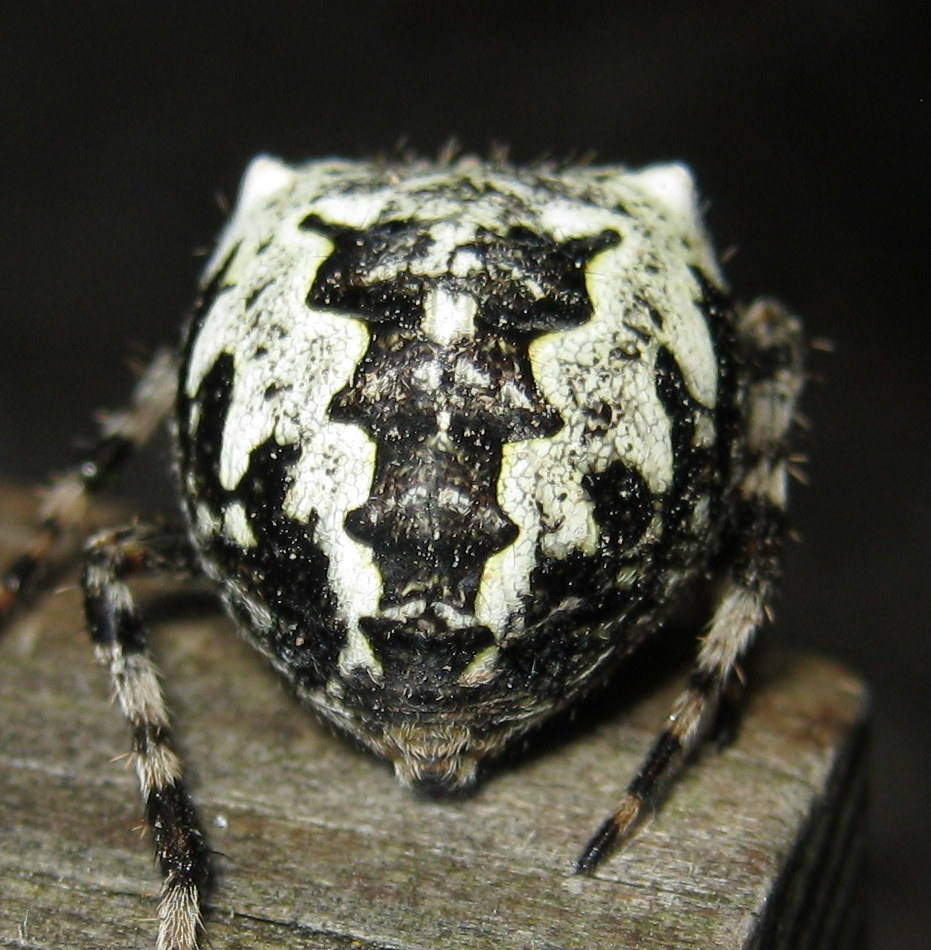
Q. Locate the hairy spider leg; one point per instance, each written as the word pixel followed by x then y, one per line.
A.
pixel 121 642
pixel 772 347
pixel 64 509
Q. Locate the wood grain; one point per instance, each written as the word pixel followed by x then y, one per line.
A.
pixel 317 846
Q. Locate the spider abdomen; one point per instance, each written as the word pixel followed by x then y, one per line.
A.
pixel 453 438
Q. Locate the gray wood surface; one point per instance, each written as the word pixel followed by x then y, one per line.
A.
pixel 757 846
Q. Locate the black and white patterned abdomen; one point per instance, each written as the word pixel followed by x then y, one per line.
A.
pixel 433 428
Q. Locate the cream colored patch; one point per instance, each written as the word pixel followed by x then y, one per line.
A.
pixel 767 480
pixel 685 720
pixel 236 525
pixel 205 521
pixel 138 689
pixel 448 317
pixel 733 625
pixel 157 769
pixel 482 668
pixel 264 177
pixel 358 653
pixel 66 501
pixel 178 918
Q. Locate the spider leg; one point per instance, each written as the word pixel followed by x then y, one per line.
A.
pixel 773 350
pixel 121 639
pixel 64 509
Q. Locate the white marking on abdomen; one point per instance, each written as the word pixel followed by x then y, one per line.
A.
pixel 608 361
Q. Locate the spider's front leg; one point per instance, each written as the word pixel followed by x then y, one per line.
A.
pixel 772 347
pixel 121 641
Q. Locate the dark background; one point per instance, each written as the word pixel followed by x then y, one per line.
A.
pixel 806 124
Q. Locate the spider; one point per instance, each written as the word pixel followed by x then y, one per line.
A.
pixel 451 439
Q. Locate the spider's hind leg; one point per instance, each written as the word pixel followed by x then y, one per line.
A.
pixel 63 513
pixel 121 642
pixel 772 347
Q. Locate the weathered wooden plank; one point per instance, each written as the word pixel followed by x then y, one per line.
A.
pixel 758 846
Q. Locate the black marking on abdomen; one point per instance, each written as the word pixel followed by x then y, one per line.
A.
pixel 285 571
pixel 420 668
pixel 587 587
pixel 440 412
pixel 440 416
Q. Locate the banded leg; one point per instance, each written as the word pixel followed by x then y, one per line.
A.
pixel 773 348
pixel 64 509
pixel 121 639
